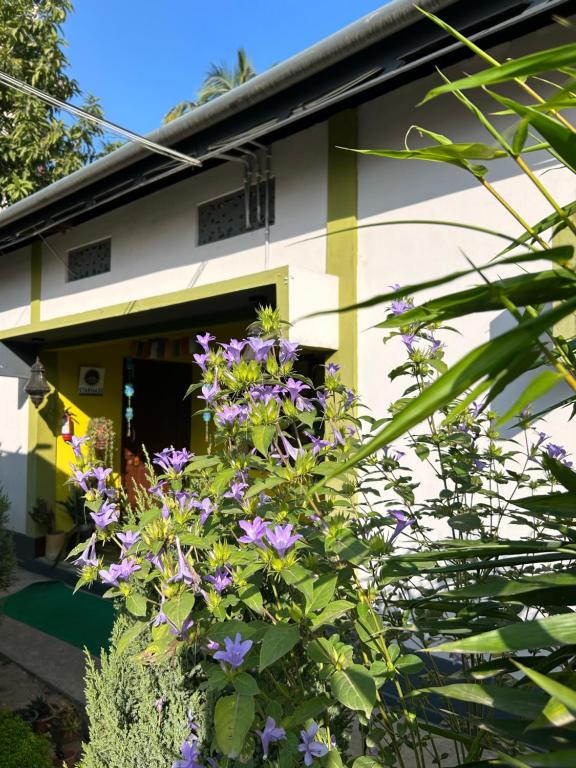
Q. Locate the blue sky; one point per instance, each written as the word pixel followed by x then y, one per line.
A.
pixel 142 56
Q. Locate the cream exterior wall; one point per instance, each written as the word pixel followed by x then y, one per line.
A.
pixel 392 190
pixel 15 289
pixel 154 240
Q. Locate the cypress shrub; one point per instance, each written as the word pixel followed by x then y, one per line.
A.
pixel 138 713
pixel 7 556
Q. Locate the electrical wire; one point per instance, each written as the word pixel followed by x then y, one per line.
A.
pixel 29 90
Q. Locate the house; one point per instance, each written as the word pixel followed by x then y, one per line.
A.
pixel 107 275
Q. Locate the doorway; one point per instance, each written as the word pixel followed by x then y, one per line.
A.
pixel 162 415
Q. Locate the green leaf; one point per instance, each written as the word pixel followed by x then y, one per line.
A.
pixel 301 579
pixel 323 591
pixel 136 604
pixel 233 717
pixel 410 664
pixel 563 504
pixel 252 597
pixel 532 64
pixel 561 139
pixel 321 651
pixel 500 586
pixel 561 472
pixel 523 703
pixel 178 608
pixel 331 612
pixel 246 685
pixel 222 480
pixel 264 485
pixel 129 636
pixel 277 642
pixel 366 762
pixel 553 688
pixel 538 387
pixel 488 359
pixel 520 289
pixel 262 436
pixel 310 708
pixel 527 635
pixel 354 688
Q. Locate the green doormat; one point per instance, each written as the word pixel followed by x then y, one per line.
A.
pixel 80 619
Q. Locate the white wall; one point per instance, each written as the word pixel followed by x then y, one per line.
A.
pixel 403 190
pixel 15 288
pixel 154 248
pixel 13 435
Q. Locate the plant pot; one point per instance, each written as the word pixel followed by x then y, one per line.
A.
pixel 55 543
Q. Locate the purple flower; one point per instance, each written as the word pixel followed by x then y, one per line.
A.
pixel 88 556
pixel 229 414
pixel 236 491
pixel 321 397
pixel 408 341
pixel 77 443
pixel 254 531
pixel 270 734
pixel 288 351
pixel 185 573
pixel 558 453
pixel 156 560
pixel 294 388
pixel 338 438
pixel 171 460
pixel 260 347
pixel 119 572
pixel 220 580
pixel 281 538
pixel 205 340
pixel 310 746
pixel 350 398
pixel 108 513
pixel 100 475
pixel 318 444
pixel 209 391
pixel 190 755
pixel 235 651
pixel 542 436
pixel 392 454
pixel 399 306
pixel 265 393
pixel 332 369
pixel 161 617
pixel 200 360
pixel 233 351
pixel 480 464
pixel 207 508
pixel 212 645
pixel 181 632
pixel 291 451
pixel 401 522
pixel 80 477
pixel 128 539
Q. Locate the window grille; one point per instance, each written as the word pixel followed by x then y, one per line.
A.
pixel 89 260
pixel 225 216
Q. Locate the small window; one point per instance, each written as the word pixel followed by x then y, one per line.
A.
pixel 226 216
pixel 89 260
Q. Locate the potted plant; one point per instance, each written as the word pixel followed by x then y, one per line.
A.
pixel 101 438
pixel 43 515
pixel 75 506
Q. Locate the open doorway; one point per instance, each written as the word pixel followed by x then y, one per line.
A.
pixel 162 415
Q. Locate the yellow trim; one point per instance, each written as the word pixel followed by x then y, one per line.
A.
pixel 35 281
pixel 342 248
pixel 278 277
pixel 567 326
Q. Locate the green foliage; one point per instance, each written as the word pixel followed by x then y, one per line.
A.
pixel 138 714
pixel 7 554
pixel 20 746
pixel 43 515
pixel 37 145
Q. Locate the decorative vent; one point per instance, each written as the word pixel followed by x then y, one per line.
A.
pixel 89 260
pixel 226 216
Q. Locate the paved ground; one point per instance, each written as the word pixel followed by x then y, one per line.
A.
pixel 51 660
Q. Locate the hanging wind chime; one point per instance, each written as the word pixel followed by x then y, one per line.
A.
pixel 129 394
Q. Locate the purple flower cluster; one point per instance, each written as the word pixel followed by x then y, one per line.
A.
pixel 171 460
pixel 235 652
pixel 119 572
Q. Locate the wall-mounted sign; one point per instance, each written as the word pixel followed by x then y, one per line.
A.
pixel 91 380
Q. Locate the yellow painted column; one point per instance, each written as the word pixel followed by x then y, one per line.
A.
pixel 35 281
pixel 342 246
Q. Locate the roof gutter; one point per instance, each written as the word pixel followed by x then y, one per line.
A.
pixel 361 34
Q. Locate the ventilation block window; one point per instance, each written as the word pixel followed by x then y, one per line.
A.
pixel 230 215
pixel 89 260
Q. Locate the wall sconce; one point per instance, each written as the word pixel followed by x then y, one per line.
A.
pixel 37 387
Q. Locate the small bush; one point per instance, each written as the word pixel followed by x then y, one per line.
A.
pixel 138 713
pixel 20 747
pixel 7 556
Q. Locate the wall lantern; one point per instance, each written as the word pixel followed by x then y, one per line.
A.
pixel 37 387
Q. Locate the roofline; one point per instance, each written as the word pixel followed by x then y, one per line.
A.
pixel 371 28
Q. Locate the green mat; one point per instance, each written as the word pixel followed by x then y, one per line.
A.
pixel 80 619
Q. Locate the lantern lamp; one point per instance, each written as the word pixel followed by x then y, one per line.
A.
pixel 37 387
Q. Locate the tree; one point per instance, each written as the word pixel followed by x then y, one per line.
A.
pixel 219 79
pixel 37 144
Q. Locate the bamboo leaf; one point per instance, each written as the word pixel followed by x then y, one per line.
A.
pixel 514 701
pixel 538 387
pixel 552 687
pixel 562 504
pixel 561 472
pixel 527 635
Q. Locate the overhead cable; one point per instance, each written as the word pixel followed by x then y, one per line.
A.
pixel 29 90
